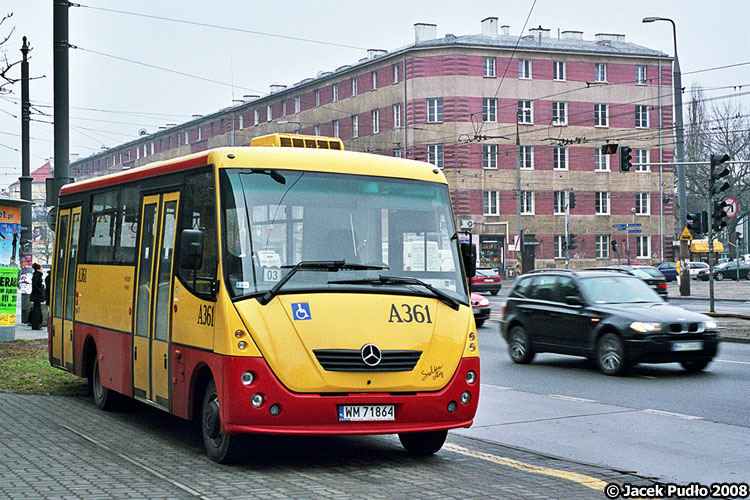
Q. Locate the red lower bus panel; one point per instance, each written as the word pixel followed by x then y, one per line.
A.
pixel 114 351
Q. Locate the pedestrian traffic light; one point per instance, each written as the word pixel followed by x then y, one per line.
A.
pixel 572 243
pixel 718 171
pixel 626 160
pixel 609 149
pixel 572 203
pixel 719 215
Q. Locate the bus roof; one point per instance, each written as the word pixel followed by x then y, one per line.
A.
pixel 315 160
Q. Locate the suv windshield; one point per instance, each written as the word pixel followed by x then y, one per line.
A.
pixel 617 289
pixel 275 219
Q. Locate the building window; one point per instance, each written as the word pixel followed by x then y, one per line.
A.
pixel 335 92
pixel 397 116
pixel 241 124
pixel 317 97
pixel 269 113
pixel 355 126
pixel 527 202
pixel 397 153
pixel 489 67
pixel 489 156
pixel 559 246
pixel 297 104
pixel 256 117
pixel 601 115
pixel 601 161
pixel 641 116
pixel 527 157
pixel 395 73
pixel 491 203
pixel 601 203
pixel 558 68
pixel 524 69
pixel 374 80
pixel 600 72
pixel 643 247
pixel 640 75
pixel 641 160
pixel 435 110
pixel 489 109
pixel 526 112
pixel 335 128
pixel 559 113
pixel 435 155
pixel 642 203
pixel 560 199
pixel 560 158
pixel 602 246
pixel 354 86
pixel 283 108
pixel 187 137
pixel 375 121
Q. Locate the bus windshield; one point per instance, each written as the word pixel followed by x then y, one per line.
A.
pixel 275 219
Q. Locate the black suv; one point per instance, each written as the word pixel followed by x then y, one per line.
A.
pixel 614 318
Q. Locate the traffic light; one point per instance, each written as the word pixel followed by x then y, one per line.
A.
pixel 718 171
pixel 572 202
pixel 698 222
pixel 564 244
pixel 572 243
pixel 626 159
pixel 720 216
pixel 614 246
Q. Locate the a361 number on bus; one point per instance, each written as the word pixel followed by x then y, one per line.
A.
pixel 206 315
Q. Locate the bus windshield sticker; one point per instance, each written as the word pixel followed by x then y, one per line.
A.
pixel 272 274
pixel 243 284
pixel 301 311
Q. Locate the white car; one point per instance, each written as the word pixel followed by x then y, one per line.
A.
pixel 695 268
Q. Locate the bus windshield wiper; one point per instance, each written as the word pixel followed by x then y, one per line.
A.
pixel 330 266
pixel 402 280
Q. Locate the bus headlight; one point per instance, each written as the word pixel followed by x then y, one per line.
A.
pixel 248 378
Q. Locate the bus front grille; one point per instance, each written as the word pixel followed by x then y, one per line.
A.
pixel 350 360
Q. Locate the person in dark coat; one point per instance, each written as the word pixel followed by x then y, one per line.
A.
pixel 46 286
pixel 37 297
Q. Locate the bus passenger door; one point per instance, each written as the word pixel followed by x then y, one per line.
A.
pixel 153 299
pixel 63 298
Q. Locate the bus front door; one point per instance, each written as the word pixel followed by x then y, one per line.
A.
pixel 62 309
pixel 153 299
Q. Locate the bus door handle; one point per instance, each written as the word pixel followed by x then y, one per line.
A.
pixel 135 354
pixel 165 361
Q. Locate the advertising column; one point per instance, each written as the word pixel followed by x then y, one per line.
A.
pixel 10 242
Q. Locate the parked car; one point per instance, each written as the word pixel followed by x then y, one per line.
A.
pixel 481 307
pixel 486 280
pixel 651 275
pixel 669 270
pixel 696 267
pixel 727 270
pixel 614 318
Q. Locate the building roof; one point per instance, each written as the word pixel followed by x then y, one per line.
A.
pixel 38 175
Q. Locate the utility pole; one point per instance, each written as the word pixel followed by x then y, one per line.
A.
pixel 25 179
pixel 519 251
pixel 61 97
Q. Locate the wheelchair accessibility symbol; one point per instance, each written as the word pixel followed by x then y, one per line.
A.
pixel 301 311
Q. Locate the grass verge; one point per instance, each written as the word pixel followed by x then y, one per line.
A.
pixel 25 369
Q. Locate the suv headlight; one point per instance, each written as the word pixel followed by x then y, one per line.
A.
pixel 710 325
pixel 642 327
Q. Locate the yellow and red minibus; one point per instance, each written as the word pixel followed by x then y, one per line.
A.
pixel 289 287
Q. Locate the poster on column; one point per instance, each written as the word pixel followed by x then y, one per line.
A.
pixel 10 239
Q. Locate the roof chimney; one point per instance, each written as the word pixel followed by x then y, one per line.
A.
pixel 424 32
pixel 540 32
pixel 489 26
pixel 572 35
pixel 505 30
pixel 373 53
pixel 609 37
pixel 276 87
pixel 249 97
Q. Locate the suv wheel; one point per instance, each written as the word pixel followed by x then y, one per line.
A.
pixel 519 346
pixel 610 354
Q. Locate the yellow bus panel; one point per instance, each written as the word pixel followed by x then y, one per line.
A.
pixel 105 296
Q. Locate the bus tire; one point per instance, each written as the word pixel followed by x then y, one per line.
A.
pixel 423 443
pixel 220 447
pixel 104 398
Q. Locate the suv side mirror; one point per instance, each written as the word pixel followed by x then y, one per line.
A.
pixel 469 256
pixel 191 249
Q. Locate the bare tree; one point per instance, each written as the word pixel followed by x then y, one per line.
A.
pixel 6 82
pixel 723 128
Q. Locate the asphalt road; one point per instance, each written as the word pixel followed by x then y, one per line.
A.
pixel 659 422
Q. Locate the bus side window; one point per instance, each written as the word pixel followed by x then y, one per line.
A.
pixel 198 211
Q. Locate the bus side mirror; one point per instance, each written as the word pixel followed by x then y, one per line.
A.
pixel 469 256
pixel 191 249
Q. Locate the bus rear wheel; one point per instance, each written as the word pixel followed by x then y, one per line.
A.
pixel 423 443
pixel 104 399
pixel 220 447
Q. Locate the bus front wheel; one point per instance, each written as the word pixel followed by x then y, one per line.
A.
pixel 423 443
pixel 220 447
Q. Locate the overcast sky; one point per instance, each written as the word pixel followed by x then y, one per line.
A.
pixel 111 99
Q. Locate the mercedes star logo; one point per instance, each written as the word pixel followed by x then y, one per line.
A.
pixel 371 355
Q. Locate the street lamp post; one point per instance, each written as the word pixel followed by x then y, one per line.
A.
pixel 680 151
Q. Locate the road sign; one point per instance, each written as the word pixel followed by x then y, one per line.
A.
pixel 638 224
pixel 730 207
pixel 686 236
pixel 619 226
pixel 634 230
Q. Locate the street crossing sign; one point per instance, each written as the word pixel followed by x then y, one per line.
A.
pixel 686 236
